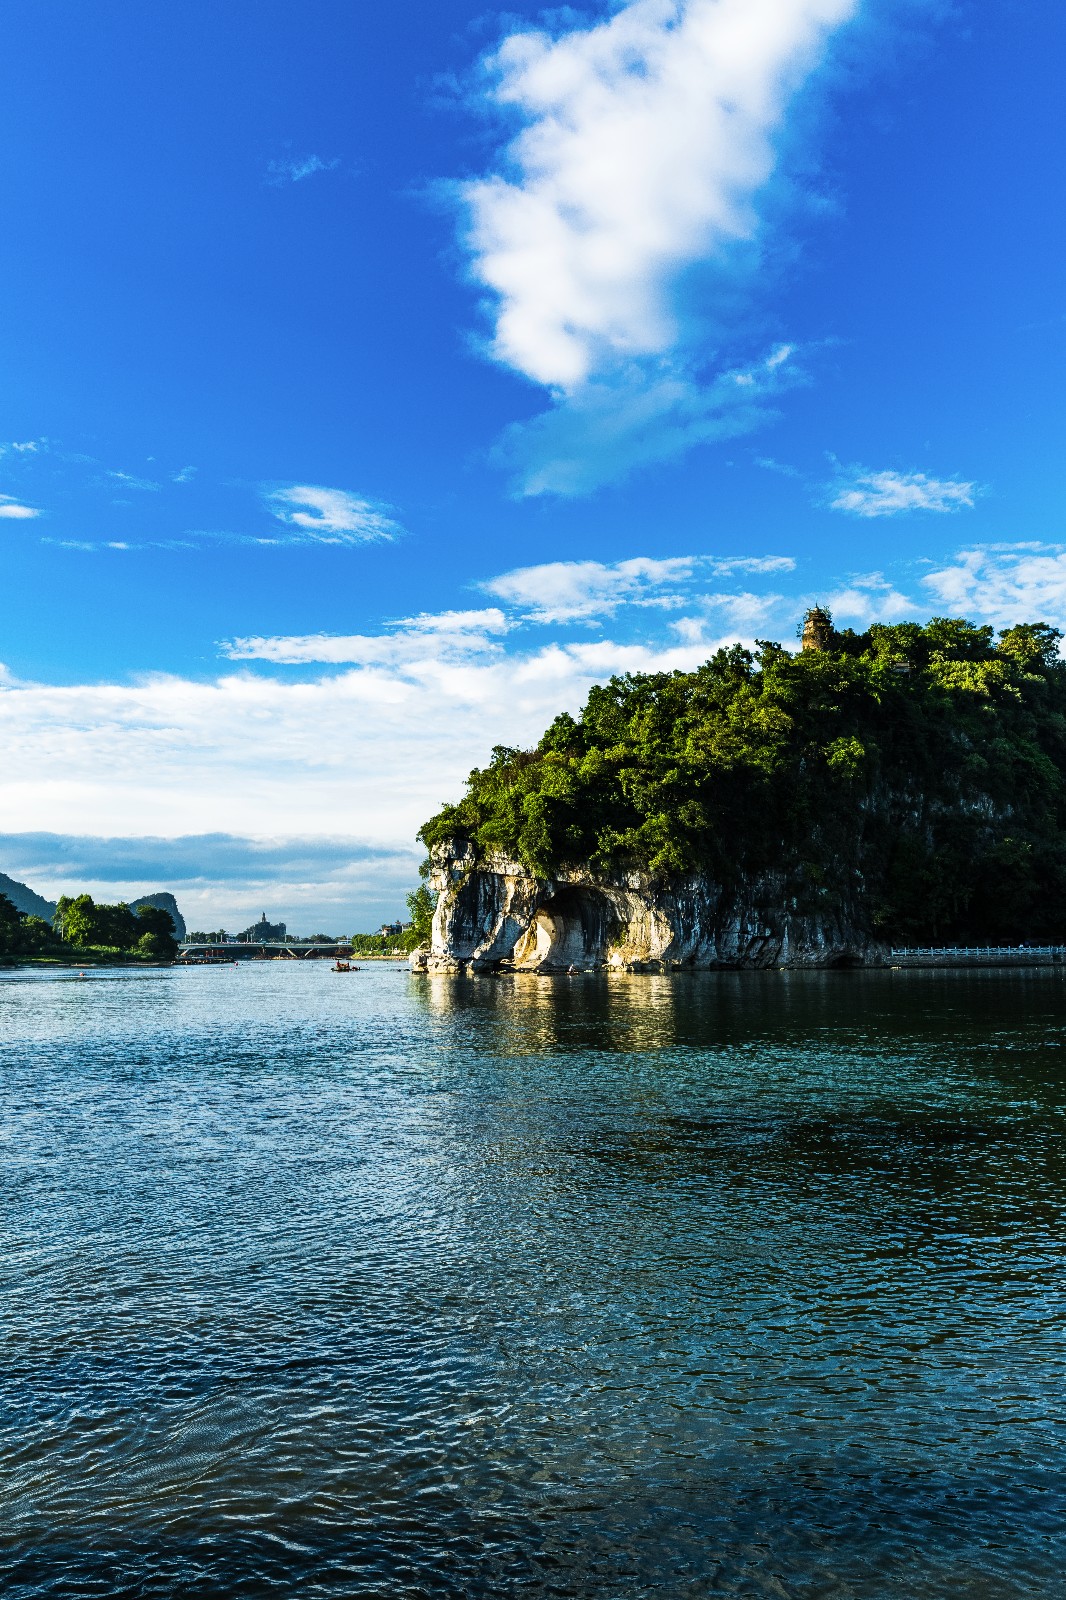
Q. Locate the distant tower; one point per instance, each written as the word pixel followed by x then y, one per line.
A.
pixel 817 629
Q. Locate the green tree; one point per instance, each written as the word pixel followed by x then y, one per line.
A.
pixel 420 905
pixel 157 935
pixel 74 919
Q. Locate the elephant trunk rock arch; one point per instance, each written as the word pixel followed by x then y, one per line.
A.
pixel 494 915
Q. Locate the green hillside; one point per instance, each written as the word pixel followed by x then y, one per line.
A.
pixel 916 771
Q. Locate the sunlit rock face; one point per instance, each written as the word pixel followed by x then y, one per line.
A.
pixel 494 914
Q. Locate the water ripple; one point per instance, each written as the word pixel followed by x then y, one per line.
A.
pixel 744 1285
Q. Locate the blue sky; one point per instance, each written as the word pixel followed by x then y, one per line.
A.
pixel 372 381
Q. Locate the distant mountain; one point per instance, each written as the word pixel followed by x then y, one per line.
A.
pixel 164 902
pixel 30 904
pixel 25 901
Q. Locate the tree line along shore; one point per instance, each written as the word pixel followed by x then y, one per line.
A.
pixel 83 932
pixel 88 934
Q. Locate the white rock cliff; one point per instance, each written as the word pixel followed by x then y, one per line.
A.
pixel 493 914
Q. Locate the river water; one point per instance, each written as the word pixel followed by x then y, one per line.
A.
pixel 736 1284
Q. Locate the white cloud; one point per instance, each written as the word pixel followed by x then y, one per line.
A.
pixel 887 494
pixel 372 741
pixel 1004 584
pixel 741 614
pixel 647 138
pixel 334 516
pixel 294 169
pixel 646 141
pixel 768 464
pixel 14 510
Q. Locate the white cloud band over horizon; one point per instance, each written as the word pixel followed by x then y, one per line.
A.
pixel 361 738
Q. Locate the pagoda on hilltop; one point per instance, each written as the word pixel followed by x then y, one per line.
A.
pixel 817 631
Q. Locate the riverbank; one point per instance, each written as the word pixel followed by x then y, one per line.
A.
pixel 81 960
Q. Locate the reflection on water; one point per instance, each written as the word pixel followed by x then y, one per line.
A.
pixel 740 1284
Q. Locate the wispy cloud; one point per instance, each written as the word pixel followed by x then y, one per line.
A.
pixel 105 544
pixel 579 591
pixel 13 510
pixel 186 475
pixel 294 169
pixel 635 415
pixel 1005 583
pixel 333 516
pixel 729 564
pixel 446 636
pixel 647 139
pixel 730 616
pixel 569 591
pixel 378 727
pixel 863 493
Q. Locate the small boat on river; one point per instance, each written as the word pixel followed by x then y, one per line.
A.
pixel 343 966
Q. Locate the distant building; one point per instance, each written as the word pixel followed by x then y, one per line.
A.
pixel 263 932
pixel 391 930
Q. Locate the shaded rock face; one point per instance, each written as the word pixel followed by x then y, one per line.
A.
pixel 494 913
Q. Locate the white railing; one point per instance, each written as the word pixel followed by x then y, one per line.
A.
pixel 982 950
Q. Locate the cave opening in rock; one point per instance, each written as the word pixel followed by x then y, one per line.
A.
pixel 572 928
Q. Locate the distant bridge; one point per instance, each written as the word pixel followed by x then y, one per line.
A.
pixel 270 949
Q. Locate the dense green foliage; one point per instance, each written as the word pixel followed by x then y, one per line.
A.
pixel 917 772
pixel 147 932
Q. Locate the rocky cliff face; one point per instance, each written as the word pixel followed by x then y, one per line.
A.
pixel 493 914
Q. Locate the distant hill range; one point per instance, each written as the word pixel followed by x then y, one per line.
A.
pixel 25 901
pixel 30 904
